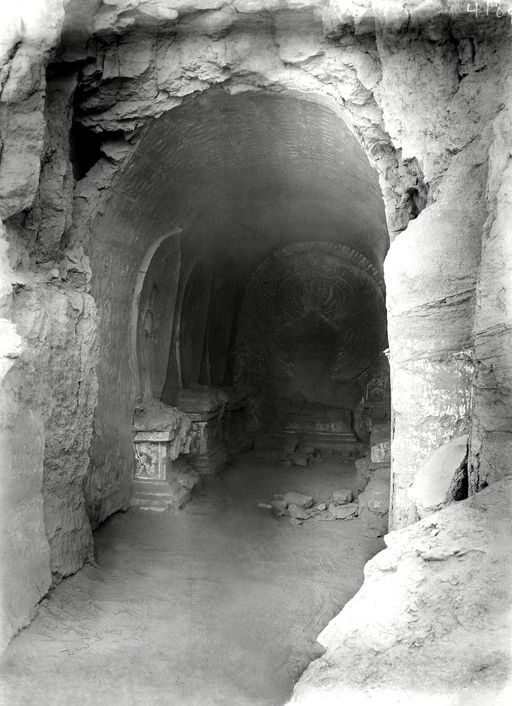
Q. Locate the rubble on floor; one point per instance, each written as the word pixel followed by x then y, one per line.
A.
pixel 432 622
pixel 299 507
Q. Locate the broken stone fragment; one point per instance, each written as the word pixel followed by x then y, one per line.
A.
pixel 342 497
pixel 343 512
pixel 179 495
pixel 321 507
pixel 295 521
pixel 442 479
pixel 298 499
pixel 189 478
pixel 299 513
pixel 265 506
pixel 280 506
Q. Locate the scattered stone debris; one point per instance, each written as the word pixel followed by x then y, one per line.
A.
pixel 298 507
pixel 343 512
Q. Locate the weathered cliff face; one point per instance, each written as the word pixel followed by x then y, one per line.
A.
pixel 48 350
pixel 431 624
pixel 426 95
pixel 491 439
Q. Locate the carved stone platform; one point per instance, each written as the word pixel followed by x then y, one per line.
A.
pixel 207 452
pixel 205 407
pixel 320 426
pixel 157 484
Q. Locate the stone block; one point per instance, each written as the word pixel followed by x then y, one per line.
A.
pixel 298 499
pixel 207 452
pixel 341 497
pixel 211 463
pixel 151 495
pixel 280 506
pixel 299 513
pixel 185 475
pixel 178 494
pixel 151 455
pixel 442 479
pixel 343 512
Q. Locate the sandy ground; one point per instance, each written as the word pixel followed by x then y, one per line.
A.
pixel 216 605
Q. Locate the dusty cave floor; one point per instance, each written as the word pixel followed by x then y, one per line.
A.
pixel 218 604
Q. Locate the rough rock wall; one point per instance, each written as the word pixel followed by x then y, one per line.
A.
pixel 431 624
pixel 109 477
pixel 433 267
pixel 48 354
pixel 491 440
pixel 24 551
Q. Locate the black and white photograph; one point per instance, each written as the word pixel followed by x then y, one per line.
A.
pixel 255 353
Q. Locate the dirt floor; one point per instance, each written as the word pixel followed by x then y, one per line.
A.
pixel 218 604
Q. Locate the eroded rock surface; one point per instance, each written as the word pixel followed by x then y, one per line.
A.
pixel 439 595
pixel 443 478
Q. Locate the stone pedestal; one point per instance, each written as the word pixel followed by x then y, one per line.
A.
pixel 207 452
pixel 205 408
pixel 157 486
pixel 150 486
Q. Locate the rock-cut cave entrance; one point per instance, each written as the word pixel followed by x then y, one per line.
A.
pixel 236 269
pixel 258 322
